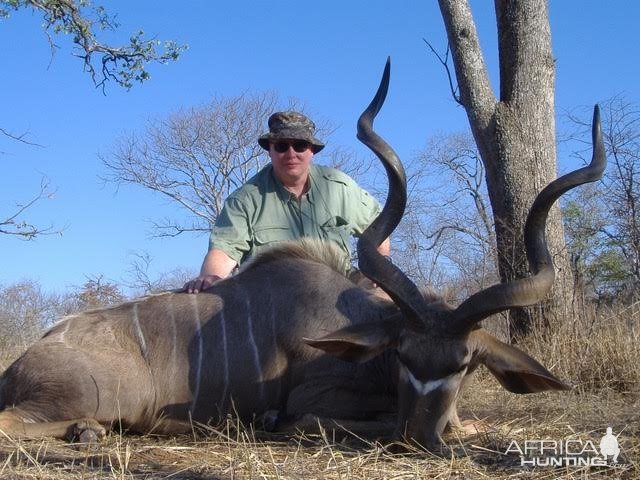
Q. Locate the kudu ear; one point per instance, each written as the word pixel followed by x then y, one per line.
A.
pixel 359 343
pixel 515 370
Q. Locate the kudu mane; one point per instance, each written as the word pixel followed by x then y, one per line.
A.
pixel 313 250
pixel 325 253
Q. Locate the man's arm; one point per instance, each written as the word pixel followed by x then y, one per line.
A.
pixel 216 266
pixel 385 248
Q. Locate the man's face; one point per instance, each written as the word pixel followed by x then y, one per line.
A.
pixel 291 160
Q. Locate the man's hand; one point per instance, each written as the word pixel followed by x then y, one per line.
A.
pixel 201 283
pixel 215 266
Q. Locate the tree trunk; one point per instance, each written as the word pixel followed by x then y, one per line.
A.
pixel 515 135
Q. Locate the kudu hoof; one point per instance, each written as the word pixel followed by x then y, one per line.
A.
pixel 468 428
pixel 88 436
pixel 86 431
pixel 268 421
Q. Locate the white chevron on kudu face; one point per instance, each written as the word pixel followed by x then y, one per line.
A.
pixel 423 388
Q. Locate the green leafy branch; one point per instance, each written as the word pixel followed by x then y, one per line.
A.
pixel 81 20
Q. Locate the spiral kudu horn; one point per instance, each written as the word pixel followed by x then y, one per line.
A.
pixel 528 291
pixel 389 277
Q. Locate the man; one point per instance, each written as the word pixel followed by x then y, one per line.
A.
pixel 288 199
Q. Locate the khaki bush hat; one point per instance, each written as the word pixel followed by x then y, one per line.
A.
pixel 290 126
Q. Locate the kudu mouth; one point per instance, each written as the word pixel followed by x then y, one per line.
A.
pixel 495 299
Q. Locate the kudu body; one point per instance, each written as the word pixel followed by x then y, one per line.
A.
pixel 161 361
pixel 245 345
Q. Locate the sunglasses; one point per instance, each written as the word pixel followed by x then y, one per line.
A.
pixel 299 146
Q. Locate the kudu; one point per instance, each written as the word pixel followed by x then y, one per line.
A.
pixel 244 345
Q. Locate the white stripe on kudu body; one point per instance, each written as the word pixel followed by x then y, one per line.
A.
pixel 174 344
pixel 145 354
pixel 254 347
pixel 138 332
pixel 198 335
pixel 274 336
pixel 62 336
pixel 64 332
pixel 223 331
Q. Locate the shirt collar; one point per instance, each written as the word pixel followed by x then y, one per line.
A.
pixel 284 194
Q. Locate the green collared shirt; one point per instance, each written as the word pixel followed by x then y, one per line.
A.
pixel 262 212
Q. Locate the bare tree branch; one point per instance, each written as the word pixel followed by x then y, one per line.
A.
pixel 13 224
pixel 21 137
pixel 143 282
pixel 475 90
pixel 195 157
pixel 448 232
pixel 455 90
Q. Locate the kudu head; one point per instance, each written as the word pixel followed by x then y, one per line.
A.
pixel 437 345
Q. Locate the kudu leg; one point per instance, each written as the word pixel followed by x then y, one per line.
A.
pixel 313 424
pixel 464 427
pixel 320 405
pixel 325 399
pixel 86 430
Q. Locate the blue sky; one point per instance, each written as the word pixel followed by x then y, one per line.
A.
pixel 328 54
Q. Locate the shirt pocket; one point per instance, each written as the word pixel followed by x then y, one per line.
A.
pixel 337 230
pixel 269 235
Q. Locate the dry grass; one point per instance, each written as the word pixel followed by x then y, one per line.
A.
pixel 595 352
pixel 600 358
pixel 241 453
